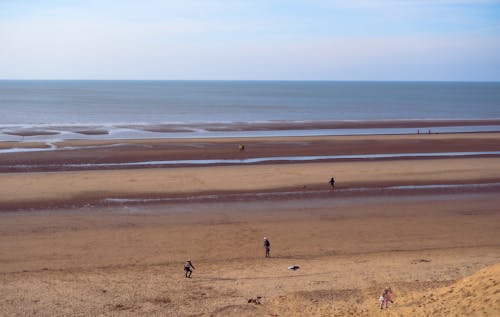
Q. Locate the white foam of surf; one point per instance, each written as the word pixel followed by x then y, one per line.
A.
pixel 131 132
pixel 51 147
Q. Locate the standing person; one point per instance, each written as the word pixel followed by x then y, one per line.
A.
pixel 332 182
pixel 267 247
pixel 187 268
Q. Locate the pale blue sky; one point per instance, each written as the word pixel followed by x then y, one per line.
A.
pixel 254 39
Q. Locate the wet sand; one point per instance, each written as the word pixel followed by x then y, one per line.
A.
pixel 122 151
pixel 97 259
pixel 53 189
pixel 46 183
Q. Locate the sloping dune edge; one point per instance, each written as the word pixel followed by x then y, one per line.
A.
pixel 475 295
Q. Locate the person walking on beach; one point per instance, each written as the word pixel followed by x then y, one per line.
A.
pixel 187 268
pixel 332 183
pixel 267 246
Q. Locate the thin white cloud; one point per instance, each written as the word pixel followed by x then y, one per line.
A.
pixel 299 58
pixel 237 40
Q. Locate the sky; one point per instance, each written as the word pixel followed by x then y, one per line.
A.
pixel 436 40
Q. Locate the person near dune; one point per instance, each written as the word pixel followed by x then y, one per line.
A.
pixel 385 298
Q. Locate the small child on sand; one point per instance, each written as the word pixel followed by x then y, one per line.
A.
pixel 386 297
pixel 381 301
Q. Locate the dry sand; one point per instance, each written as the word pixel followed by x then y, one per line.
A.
pixel 126 260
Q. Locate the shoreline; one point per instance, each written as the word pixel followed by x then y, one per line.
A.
pixel 53 132
pixel 94 152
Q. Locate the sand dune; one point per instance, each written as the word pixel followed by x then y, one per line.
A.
pixel 475 295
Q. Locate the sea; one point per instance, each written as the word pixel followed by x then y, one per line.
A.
pixel 62 109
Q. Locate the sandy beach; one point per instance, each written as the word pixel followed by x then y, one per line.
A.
pixel 104 241
pixel 304 158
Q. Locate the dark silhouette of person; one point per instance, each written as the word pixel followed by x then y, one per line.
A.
pixel 187 268
pixel 267 247
pixel 332 182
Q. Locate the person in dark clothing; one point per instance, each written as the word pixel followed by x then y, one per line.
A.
pixel 187 268
pixel 332 182
pixel 267 247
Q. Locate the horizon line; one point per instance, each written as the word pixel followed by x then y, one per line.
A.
pixel 257 80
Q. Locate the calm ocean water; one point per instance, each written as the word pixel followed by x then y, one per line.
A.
pixel 57 110
pixel 125 102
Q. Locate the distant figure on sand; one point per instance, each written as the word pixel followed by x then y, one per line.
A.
pixel 267 246
pixel 241 147
pixel 385 298
pixel 332 182
pixel 381 301
pixel 187 268
pixel 388 297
